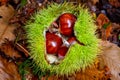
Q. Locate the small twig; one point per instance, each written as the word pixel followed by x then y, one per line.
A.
pixel 23 49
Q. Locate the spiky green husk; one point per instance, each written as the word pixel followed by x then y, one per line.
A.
pixel 78 56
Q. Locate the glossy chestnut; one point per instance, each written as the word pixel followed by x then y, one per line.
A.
pixel 62 51
pixel 71 40
pixel 66 23
pixel 53 43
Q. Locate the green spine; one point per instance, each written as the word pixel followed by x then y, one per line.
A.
pixel 78 56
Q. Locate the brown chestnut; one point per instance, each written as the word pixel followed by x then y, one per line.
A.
pixel 66 23
pixel 53 43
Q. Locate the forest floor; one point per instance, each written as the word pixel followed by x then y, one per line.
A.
pixel 13 46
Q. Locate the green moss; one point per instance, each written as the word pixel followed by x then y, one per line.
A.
pixel 78 56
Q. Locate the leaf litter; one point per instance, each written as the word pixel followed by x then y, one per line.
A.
pixel 13 17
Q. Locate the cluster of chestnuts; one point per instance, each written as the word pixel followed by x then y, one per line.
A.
pixel 60 36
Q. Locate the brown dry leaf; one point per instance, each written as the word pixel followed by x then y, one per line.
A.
pixel 95 72
pixel 95 1
pixel 9 50
pixel 115 3
pixel 108 31
pixel 115 26
pixel 6 32
pixel 3 2
pixel 115 34
pixel 6 12
pixel 53 77
pixel 102 20
pixel 111 57
pixel 30 76
pixel 8 70
pixel 89 74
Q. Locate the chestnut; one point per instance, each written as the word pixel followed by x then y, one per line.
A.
pixel 71 40
pixel 53 43
pixel 66 23
pixel 62 51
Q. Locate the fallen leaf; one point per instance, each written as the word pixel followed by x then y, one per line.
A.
pixel 6 32
pixel 6 12
pixel 115 34
pixel 3 2
pixel 9 50
pixel 115 3
pixel 8 70
pixel 90 73
pixel 111 57
pixel 108 31
pixel 101 20
pixel 115 26
pixel 104 25
pixel 95 1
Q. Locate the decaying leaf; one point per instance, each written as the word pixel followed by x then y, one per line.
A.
pixel 95 1
pixel 8 70
pixel 101 20
pixel 104 25
pixel 3 2
pixel 115 3
pixel 6 12
pixel 111 57
pixel 6 32
pixel 115 34
pixel 108 31
pixel 9 50
pixel 95 72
